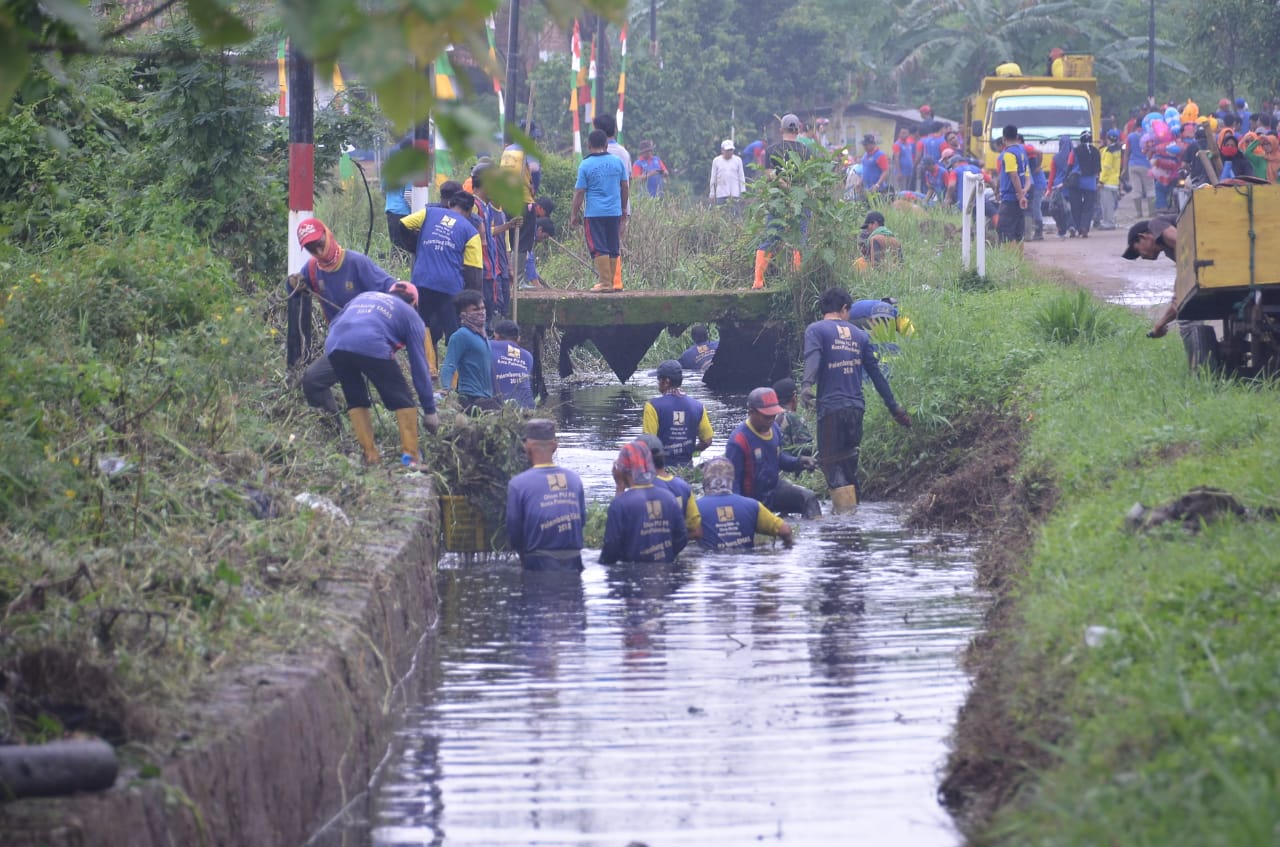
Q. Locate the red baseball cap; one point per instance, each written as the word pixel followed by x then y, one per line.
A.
pixel 764 401
pixel 310 231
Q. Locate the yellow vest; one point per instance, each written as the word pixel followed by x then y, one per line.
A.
pixel 1110 173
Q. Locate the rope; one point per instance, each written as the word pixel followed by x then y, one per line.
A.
pixel 1247 191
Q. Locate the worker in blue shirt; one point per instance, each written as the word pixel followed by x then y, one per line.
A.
pixel 731 521
pixel 512 365
pixel 468 357
pixel 681 490
pixel 755 450
pixel 698 356
pixel 680 422
pixel 837 357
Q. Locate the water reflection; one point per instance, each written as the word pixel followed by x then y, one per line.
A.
pixel 798 696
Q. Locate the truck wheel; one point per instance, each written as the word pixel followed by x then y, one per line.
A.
pixel 1201 344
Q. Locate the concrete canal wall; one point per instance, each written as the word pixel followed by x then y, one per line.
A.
pixel 281 747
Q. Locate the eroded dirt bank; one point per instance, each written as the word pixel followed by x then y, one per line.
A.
pixel 281 747
pixel 975 487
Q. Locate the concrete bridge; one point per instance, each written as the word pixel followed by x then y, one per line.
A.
pixel 757 329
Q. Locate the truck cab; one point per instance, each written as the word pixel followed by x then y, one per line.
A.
pixel 1043 108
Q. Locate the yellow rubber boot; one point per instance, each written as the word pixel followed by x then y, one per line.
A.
pixel 407 421
pixel 362 423
pixel 617 272
pixel 604 273
pixel 763 258
pixel 844 500
pixel 433 362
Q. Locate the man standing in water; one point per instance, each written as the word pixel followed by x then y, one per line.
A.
pixel 546 506
pixel 837 355
pixel 644 523
pixel 732 521
pixel 679 421
pixel 755 450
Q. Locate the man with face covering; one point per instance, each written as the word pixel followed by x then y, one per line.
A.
pixel 644 522
pixel 731 521
pixel 335 276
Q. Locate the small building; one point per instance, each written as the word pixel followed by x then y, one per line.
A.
pixel 846 128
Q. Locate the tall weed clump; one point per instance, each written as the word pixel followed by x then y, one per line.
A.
pixel 1074 317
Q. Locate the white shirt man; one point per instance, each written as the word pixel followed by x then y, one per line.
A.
pixel 727 178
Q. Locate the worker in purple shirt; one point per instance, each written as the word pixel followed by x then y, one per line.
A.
pixel 644 523
pixel 335 275
pixel 680 422
pixel 681 490
pixel 512 365
pixel 546 506
pixel 698 356
pixel 837 357
pixel 362 344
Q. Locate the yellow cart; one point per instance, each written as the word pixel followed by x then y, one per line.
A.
pixel 1229 271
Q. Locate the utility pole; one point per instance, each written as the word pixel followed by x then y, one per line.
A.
pixel 653 28
pixel 1151 54
pixel 602 52
pixel 302 179
pixel 513 70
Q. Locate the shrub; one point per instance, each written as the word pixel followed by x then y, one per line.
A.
pixel 1073 316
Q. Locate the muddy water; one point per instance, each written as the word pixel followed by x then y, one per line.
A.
pixel 795 696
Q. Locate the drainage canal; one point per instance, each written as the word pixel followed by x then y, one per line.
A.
pixel 798 696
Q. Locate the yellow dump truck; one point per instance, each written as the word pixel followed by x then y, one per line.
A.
pixel 1229 276
pixel 1041 107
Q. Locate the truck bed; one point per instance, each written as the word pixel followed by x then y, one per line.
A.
pixel 1228 245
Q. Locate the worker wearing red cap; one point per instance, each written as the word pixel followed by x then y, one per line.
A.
pixel 1057 67
pixel 755 449
pixel 334 275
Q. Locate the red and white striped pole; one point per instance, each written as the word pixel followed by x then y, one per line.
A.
pixel 301 151
pixel 301 194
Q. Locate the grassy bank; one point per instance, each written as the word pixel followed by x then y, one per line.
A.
pixel 1128 690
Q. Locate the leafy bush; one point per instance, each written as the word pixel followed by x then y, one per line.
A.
pixel 106 296
pixel 1074 316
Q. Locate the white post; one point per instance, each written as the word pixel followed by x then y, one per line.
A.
pixel 973 189
pixel 980 206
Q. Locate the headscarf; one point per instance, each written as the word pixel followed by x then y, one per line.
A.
pixel 717 476
pixel 331 252
pixel 635 459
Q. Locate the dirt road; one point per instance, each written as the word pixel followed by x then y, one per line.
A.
pixel 1096 264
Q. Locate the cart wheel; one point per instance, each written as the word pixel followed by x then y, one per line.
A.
pixel 1201 344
